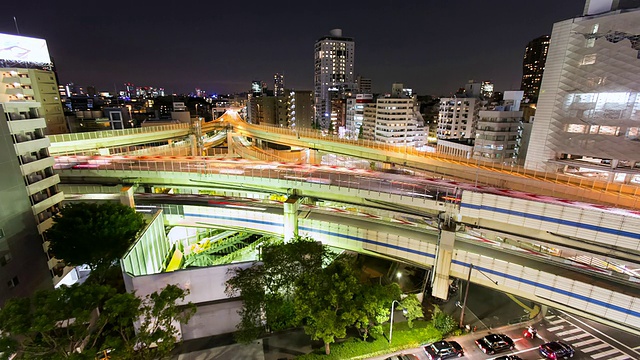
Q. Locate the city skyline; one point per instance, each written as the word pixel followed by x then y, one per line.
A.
pixel 223 51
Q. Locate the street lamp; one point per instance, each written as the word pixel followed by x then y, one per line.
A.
pixel 391 323
pixel 466 292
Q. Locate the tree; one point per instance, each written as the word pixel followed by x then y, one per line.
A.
pixel 325 303
pixel 64 323
pixel 158 313
pixel 412 307
pixel 93 234
pixel 267 287
pixel 442 321
pixel 52 324
pixel 374 307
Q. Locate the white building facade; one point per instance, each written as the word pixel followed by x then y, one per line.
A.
pixel 588 113
pixel 457 117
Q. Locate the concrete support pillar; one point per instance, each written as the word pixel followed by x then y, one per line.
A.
pixel 193 142
pixel 126 196
pixel 230 136
pixel 442 266
pixel 291 207
pixel 314 157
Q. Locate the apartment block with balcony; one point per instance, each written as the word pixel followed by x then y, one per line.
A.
pixel 30 186
pixel 497 136
pixel 457 117
pixel 27 84
pixel 399 123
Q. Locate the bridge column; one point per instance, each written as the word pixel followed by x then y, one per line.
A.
pixel 444 255
pixel 291 207
pixel 230 151
pixel 126 196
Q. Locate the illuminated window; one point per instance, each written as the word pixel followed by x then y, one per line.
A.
pixel 576 128
pixel 608 130
pixel 588 59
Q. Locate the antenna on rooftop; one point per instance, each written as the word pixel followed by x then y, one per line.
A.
pixel 15 21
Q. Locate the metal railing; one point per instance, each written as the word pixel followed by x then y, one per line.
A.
pixel 113 133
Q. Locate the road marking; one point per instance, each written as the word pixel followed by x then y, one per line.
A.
pixel 587 342
pixel 569 332
pixel 605 335
pixel 553 329
pixel 556 321
pixel 576 337
pixel 596 347
pixel 606 353
pixel 622 357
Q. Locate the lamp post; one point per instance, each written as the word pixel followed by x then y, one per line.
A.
pixel 466 292
pixel 391 323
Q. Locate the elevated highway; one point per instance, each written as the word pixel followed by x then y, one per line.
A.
pixel 607 230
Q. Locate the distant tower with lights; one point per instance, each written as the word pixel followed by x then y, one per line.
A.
pixel 278 84
pixel 334 60
pixel 535 56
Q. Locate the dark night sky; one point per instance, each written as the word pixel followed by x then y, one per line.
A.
pixel 431 46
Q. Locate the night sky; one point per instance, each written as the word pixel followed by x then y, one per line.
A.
pixel 431 46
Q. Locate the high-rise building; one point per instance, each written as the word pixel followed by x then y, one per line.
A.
pixel 588 113
pixel 535 56
pixel 334 60
pixel 363 85
pixel 395 121
pixel 457 117
pixel 498 131
pixel 31 197
pixel 27 76
pixel 300 109
pixel 278 85
pixel 355 114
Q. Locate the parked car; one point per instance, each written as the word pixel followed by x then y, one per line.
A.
pixel 495 343
pixel 508 357
pixel 402 357
pixel 443 350
pixel 555 350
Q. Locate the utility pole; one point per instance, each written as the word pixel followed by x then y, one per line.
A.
pixel 466 294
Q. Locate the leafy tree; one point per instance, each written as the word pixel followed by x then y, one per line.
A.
pixel 374 307
pixel 53 323
pixel 63 323
pixel 94 234
pixel 412 307
pixel 442 321
pixel 325 303
pixel 268 287
pixel 157 334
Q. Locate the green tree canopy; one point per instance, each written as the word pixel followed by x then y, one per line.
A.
pixel 374 307
pixel 325 301
pixel 412 307
pixel 93 234
pixel 267 287
pixel 65 323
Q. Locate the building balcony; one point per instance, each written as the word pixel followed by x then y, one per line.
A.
pixel 29 146
pixel 22 80
pixel 37 165
pixel 42 184
pixel 44 226
pixel 25 125
pixel 47 203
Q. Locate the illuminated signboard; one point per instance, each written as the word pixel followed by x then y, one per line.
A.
pixel 26 49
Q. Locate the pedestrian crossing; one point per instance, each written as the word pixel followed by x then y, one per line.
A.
pixel 583 342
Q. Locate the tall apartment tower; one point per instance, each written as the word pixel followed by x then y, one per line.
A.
pixel 588 112
pixel 535 56
pixel 278 85
pixel 334 60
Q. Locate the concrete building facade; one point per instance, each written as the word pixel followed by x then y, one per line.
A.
pixel 333 71
pixel 587 120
